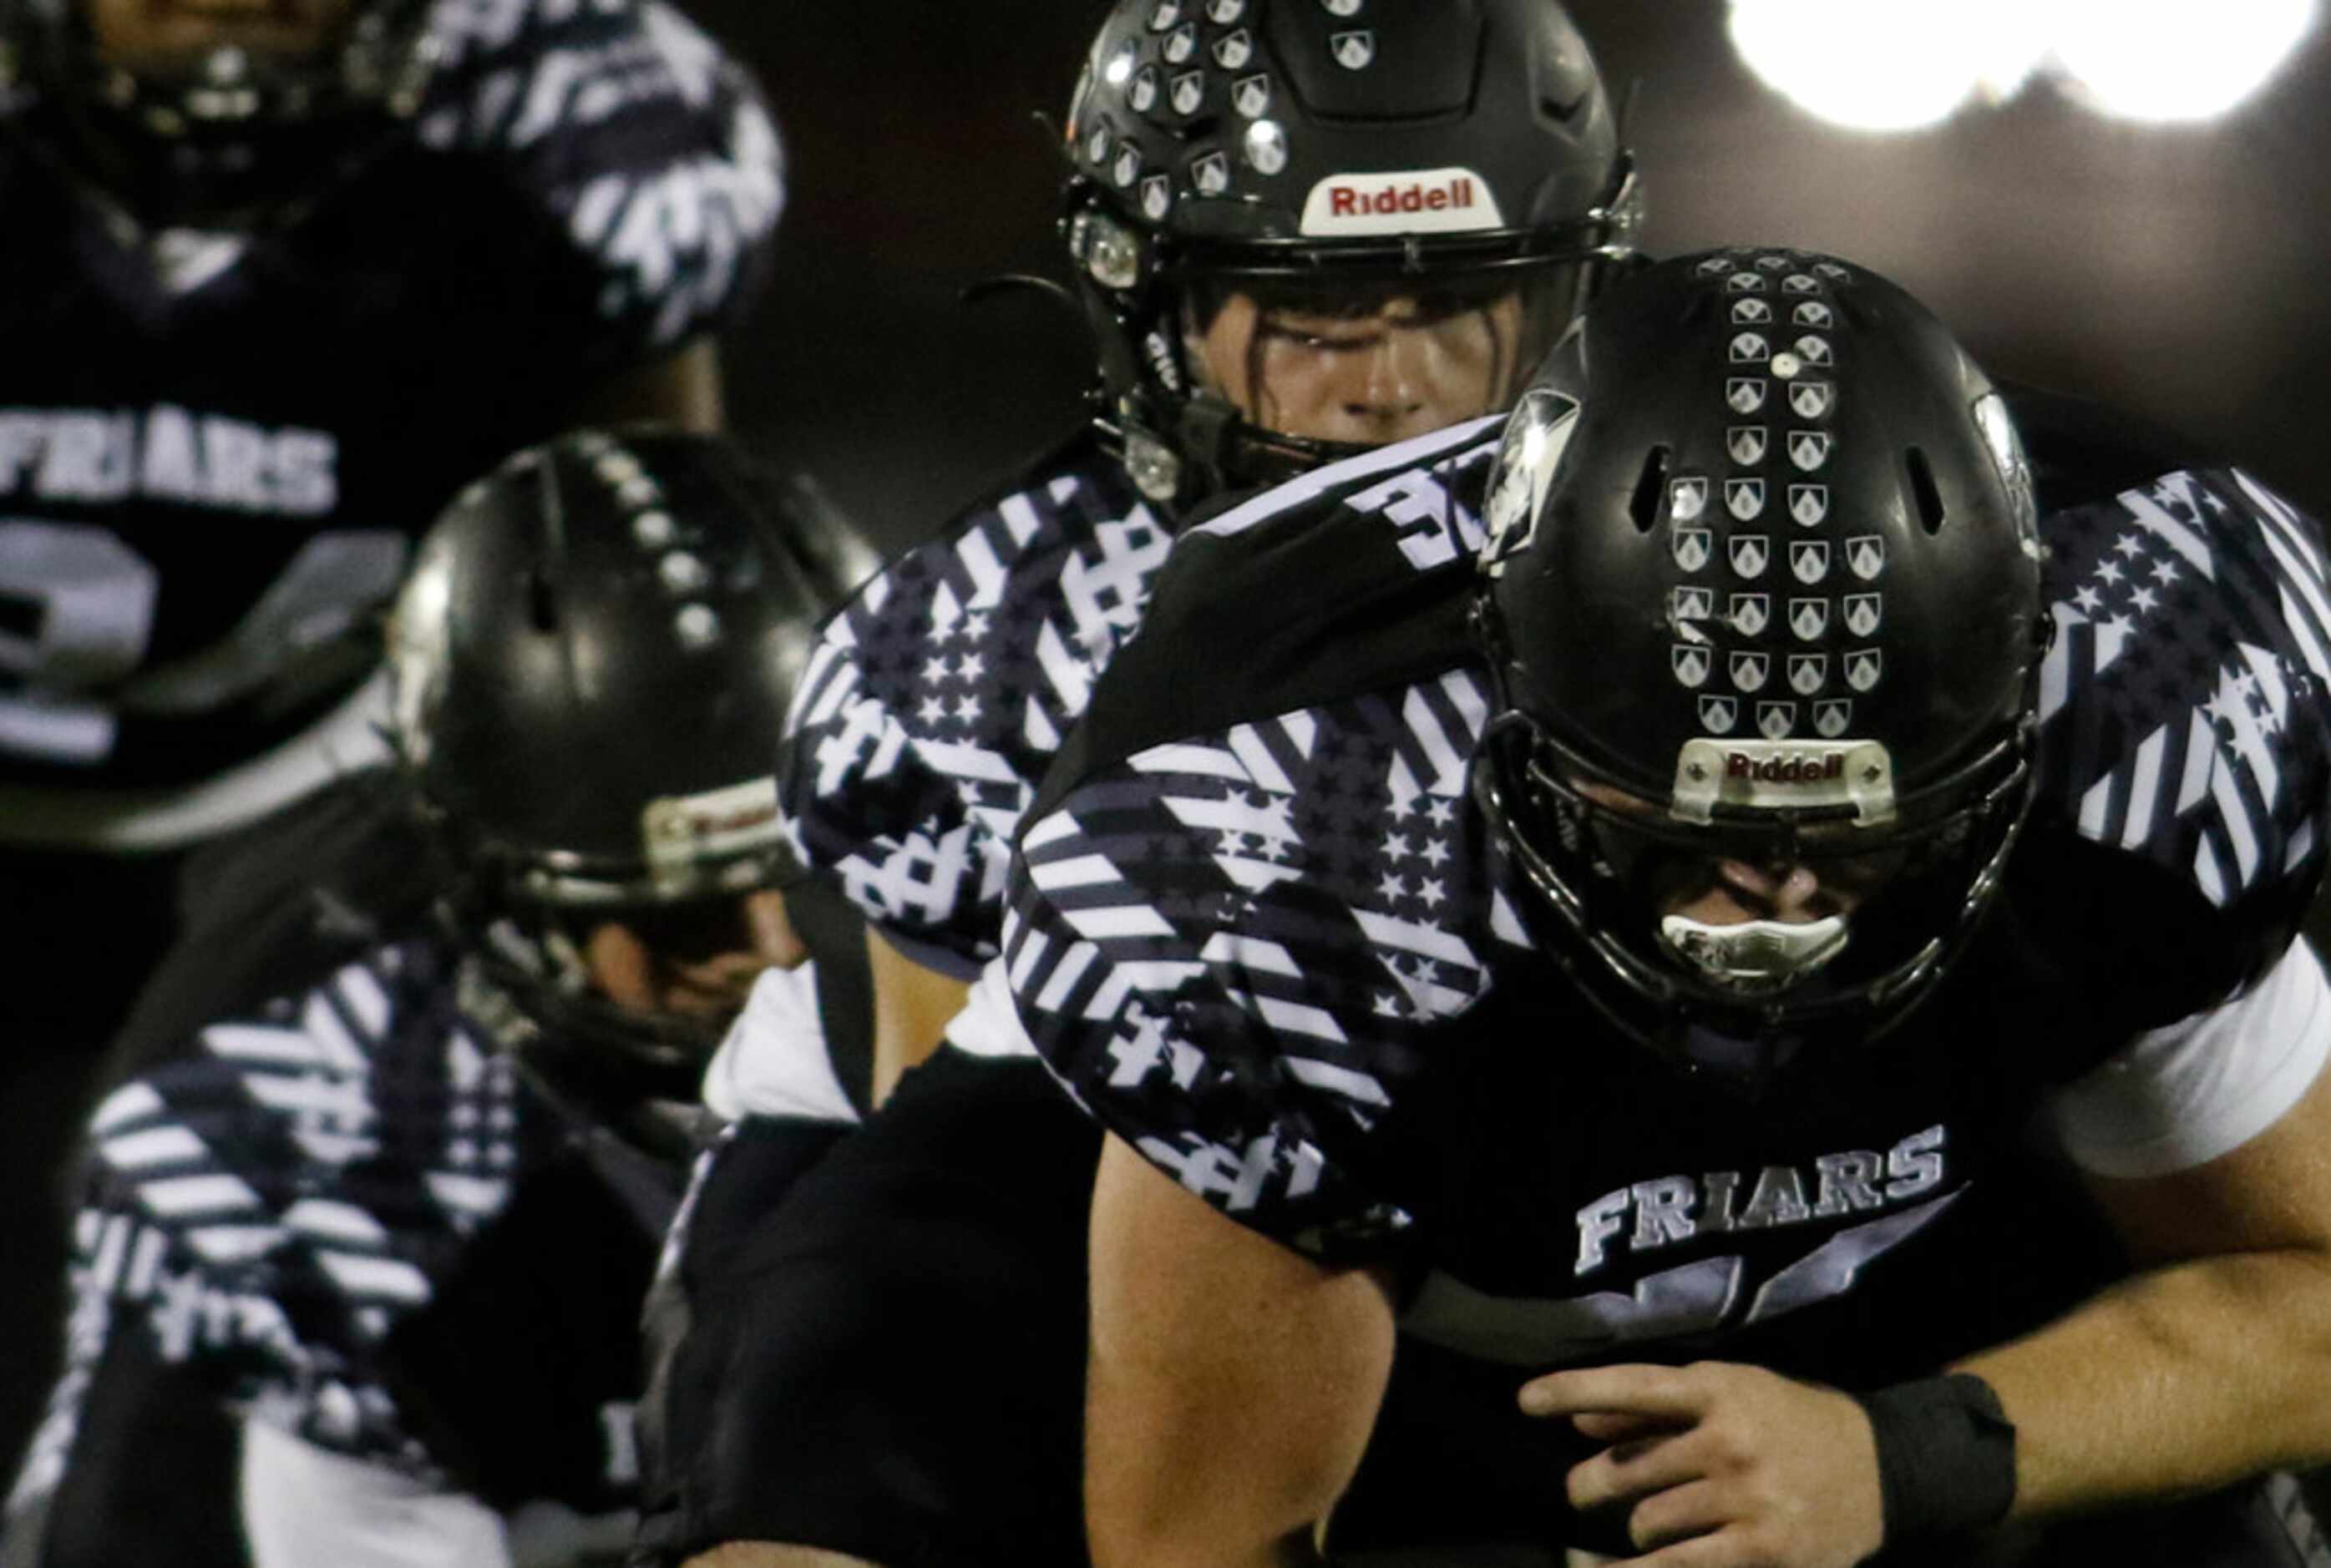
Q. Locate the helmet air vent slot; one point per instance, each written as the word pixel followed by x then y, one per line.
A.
pixel 1562 113
pixel 1650 502
pixel 541 602
pixel 1929 497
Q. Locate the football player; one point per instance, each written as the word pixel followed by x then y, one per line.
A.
pixel 278 279
pixel 396 1202
pixel 1299 231
pixel 1589 1018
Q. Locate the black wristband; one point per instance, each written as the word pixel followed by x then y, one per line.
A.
pixel 1945 1456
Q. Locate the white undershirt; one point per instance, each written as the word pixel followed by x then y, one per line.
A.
pixel 2180 1097
pixel 304 1507
pixel 774 1061
pixel 989 1024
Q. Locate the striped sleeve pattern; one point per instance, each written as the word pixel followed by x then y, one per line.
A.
pixel 648 149
pixel 269 1205
pixel 938 698
pixel 2183 702
pixel 1231 948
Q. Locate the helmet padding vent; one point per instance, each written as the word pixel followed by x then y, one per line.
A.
pixel 1923 488
pixel 1562 113
pixel 541 602
pixel 1650 499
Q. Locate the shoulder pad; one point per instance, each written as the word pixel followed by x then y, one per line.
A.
pixel 2183 707
pixel 1353 579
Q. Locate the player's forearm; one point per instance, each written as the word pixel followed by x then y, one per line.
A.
pixel 2186 1378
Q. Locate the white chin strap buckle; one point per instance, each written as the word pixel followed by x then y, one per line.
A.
pixel 1755 957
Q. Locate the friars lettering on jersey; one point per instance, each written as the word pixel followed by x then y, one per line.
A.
pixel 1847 1210
pixel 1671 1209
pixel 93 457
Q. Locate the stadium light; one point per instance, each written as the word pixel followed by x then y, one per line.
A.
pixel 2143 59
pixel 1887 65
pixel 1894 65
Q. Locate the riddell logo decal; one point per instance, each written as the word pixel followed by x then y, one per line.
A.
pixel 1414 201
pixel 1787 770
pixel 1350 202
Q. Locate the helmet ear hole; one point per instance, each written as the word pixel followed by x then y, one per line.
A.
pixel 1651 491
pixel 1928 495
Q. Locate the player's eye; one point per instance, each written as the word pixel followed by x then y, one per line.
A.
pixel 1323 338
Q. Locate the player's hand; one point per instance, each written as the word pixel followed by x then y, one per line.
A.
pixel 1726 1466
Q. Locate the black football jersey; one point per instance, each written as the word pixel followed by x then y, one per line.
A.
pixel 1259 930
pixel 215 450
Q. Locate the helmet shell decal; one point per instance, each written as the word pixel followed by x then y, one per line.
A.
pixel 1856 776
pixel 1443 201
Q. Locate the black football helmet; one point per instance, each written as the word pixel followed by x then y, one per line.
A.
pixel 1762 601
pixel 219 136
pixel 591 663
pixel 1325 154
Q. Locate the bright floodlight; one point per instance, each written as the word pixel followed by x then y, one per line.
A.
pixel 2148 60
pixel 1889 64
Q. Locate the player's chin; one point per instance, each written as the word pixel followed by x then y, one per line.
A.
pixel 1412 423
pixel 1356 430
pixel 179 31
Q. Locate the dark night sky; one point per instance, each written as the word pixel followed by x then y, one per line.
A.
pixel 2175 272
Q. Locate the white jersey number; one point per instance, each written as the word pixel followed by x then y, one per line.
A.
pixel 76 613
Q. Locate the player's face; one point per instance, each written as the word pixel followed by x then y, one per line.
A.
pixel 1735 892
pixel 1379 367
pixel 150 34
pixel 693 961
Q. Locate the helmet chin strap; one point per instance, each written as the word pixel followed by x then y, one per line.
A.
pixel 1756 957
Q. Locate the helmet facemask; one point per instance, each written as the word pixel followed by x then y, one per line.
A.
pixel 541 939
pixel 540 953
pixel 1219 361
pixel 234 124
pixel 1733 935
